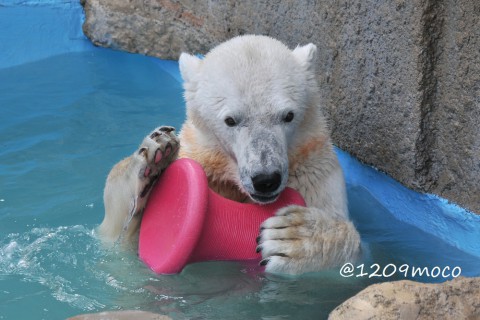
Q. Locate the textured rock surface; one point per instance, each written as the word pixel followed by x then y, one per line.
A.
pixel 400 79
pixel 454 154
pixel 456 299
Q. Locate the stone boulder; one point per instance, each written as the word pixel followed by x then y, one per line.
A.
pixel 399 79
pixel 456 299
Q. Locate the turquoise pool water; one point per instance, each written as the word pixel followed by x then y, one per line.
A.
pixel 69 111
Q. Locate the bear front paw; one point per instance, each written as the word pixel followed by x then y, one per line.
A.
pixel 300 239
pixel 157 151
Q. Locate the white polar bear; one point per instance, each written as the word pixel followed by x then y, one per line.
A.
pixel 254 123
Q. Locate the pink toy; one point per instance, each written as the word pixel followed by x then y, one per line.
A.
pixel 184 221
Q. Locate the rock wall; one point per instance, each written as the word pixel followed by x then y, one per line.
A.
pixel 400 79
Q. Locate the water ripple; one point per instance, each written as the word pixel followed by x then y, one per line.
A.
pixel 52 257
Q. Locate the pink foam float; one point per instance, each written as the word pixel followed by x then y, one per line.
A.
pixel 184 221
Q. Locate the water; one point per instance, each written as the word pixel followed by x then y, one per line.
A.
pixel 64 121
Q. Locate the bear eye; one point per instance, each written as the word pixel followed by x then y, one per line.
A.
pixel 289 117
pixel 230 122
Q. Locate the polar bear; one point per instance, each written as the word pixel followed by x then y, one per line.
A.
pixel 254 123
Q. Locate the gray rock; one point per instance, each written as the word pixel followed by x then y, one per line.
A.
pixel 456 299
pixel 158 28
pixel 400 79
pixel 453 158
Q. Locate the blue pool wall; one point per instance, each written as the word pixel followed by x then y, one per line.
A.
pixel 54 27
pixel 34 30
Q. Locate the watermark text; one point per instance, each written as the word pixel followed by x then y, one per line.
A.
pixel 405 270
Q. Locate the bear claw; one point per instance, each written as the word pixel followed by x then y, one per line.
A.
pixel 167 129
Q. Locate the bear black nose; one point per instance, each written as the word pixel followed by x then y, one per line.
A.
pixel 267 182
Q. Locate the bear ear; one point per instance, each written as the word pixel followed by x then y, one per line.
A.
pixel 189 66
pixel 306 55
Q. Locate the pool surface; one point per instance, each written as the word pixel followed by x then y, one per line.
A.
pixel 67 116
